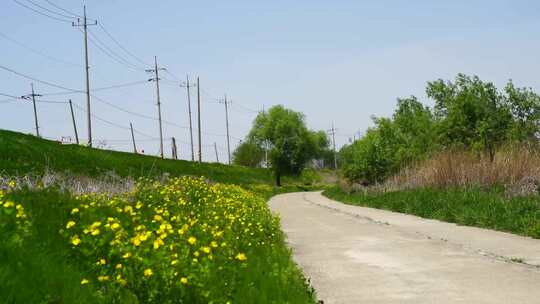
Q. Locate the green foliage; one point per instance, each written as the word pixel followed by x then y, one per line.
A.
pixel 471 207
pixel 391 144
pixel 248 154
pixel 471 113
pixel 291 145
pixel 525 107
pixel 468 114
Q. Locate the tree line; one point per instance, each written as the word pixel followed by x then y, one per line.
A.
pixel 468 114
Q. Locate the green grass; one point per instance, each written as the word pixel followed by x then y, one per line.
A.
pixel 37 264
pixel 469 207
pixel 22 154
pixel 43 267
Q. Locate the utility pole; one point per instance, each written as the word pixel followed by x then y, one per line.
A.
pixel 227 126
pixel 133 138
pixel 74 124
pixel 199 118
pixel 265 146
pixel 33 96
pixel 215 149
pixel 187 86
pixel 334 144
pixel 85 27
pixel 174 151
pixel 156 70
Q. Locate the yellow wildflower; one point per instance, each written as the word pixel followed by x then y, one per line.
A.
pixel 75 240
pixel 192 240
pixel 74 210
pixel 84 281
pixel 115 226
pixel 126 255
pixel 158 243
pixel 241 257
pixel 206 249
pixel 183 280
pixel 103 278
pixel 70 224
pixel 118 266
pixel 148 272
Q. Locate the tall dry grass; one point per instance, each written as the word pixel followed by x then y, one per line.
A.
pixel 516 168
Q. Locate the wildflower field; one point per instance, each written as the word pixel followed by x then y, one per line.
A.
pixel 182 241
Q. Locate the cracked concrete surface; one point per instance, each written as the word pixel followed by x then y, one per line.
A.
pixel 362 255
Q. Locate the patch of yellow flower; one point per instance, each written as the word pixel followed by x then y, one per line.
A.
pixel 159 231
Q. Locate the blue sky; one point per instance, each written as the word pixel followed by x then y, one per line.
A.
pixel 340 61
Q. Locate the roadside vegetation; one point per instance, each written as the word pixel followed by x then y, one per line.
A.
pixel 83 225
pixel 473 159
pixel 281 136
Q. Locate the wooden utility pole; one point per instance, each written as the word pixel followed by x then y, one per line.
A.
pixel 199 118
pixel 35 109
pixel 334 144
pixel 215 149
pixel 174 151
pixel 74 124
pixel 187 86
pixel 87 68
pixel 133 138
pixel 156 70
pixel 32 96
pixel 265 146
pixel 227 126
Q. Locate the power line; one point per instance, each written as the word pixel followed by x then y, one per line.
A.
pixel 38 80
pixel 112 123
pixel 63 9
pixel 42 13
pixel 49 10
pixel 122 47
pixel 38 52
pixel 123 85
pixel 112 54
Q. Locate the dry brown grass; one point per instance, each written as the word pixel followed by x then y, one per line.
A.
pixel 515 168
pixel 76 184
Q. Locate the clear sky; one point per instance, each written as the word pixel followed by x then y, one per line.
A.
pixel 335 61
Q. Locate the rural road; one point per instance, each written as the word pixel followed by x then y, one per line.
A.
pixel 363 255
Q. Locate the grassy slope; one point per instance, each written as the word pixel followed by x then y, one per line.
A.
pixel 22 154
pixel 470 207
pixel 40 273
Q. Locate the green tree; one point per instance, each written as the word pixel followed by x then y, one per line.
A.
pixel 471 113
pixel 525 107
pixel 248 154
pixel 291 145
pixel 391 144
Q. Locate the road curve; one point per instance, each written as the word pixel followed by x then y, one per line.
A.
pixel 363 255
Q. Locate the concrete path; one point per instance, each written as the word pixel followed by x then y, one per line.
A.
pixel 362 255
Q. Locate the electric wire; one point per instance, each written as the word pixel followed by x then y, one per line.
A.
pixel 111 54
pixel 38 80
pixel 30 49
pixel 41 13
pixel 121 46
pixel 49 10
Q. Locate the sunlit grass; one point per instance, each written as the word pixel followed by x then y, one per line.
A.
pixel 464 206
pixel 185 241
